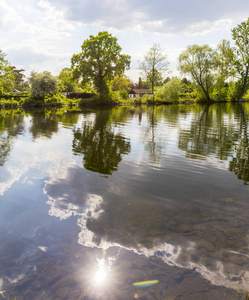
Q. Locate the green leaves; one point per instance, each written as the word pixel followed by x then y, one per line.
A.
pixel 44 84
pixel 199 61
pixel 154 63
pixel 240 36
pixel 99 61
pixel 7 77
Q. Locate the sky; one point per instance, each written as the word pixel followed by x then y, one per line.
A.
pixel 43 35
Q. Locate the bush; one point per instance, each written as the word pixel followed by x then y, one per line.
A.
pixel 57 99
pixel 124 94
pixel 246 97
pixel 170 91
pixel 146 99
pixel 9 103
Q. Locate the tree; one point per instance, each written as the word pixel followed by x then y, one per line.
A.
pixel 6 74
pixel 68 83
pixel 240 36
pixel 225 57
pixel 44 84
pixel 170 91
pixel 99 61
pixel 121 83
pixel 32 77
pixel 154 63
pixel 199 62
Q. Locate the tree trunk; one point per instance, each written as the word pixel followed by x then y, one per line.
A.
pixel 153 92
pixel 206 93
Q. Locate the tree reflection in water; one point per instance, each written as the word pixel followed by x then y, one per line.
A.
pixel 222 131
pixel 240 163
pixel 11 125
pixel 101 144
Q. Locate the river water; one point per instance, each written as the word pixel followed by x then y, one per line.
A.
pixel 125 203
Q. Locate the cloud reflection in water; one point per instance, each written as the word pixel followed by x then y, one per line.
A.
pixel 217 266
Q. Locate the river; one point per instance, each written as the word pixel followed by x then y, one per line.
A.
pixel 125 203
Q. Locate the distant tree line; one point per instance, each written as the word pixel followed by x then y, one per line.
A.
pixel 219 74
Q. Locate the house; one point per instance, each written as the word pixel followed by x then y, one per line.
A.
pixel 139 93
pixel 16 92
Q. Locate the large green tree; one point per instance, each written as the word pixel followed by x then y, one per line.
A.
pixel 99 61
pixel 154 63
pixel 240 36
pixel 199 62
pixel 6 75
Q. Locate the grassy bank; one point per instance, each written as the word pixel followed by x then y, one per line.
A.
pixel 114 99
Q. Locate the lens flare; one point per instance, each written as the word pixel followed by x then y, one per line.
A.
pixel 148 283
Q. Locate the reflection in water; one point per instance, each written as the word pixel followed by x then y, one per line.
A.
pixel 175 235
pixel 100 144
pixel 11 125
pixel 240 163
pixel 177 204
pixel 101 273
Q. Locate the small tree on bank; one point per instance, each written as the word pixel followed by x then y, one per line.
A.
pixel 99 61
pixel 44 84
pixel 170 91
pixel 154 63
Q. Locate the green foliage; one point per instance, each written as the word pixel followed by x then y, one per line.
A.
pixel 99 61
pixel 67 82
pixel 11 103
pixel 246 97
pixel 198 62
pixel 170 91
pixel 6 75
pixel 57 99
pixel 19 79
pixel 44 84
pixel 240 36
pixel 146 99
pixel 121 83
pixel 124 94
pixel 154 63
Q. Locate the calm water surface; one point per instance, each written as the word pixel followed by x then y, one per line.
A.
pixel 125 203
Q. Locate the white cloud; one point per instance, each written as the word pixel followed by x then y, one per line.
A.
pixel 153 16
pixel 44 34
pixel 55 17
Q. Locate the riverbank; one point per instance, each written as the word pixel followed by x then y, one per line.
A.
pixel 59 100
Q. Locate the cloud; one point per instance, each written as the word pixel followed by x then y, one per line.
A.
pixel 158 16
pixel 27 55
pixel 55 17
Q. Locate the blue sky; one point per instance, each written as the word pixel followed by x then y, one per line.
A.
pixel 44 34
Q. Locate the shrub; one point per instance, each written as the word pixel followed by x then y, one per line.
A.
pixel 170 91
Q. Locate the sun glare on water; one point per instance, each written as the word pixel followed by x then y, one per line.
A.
pixel 101 273
pixel 100 276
